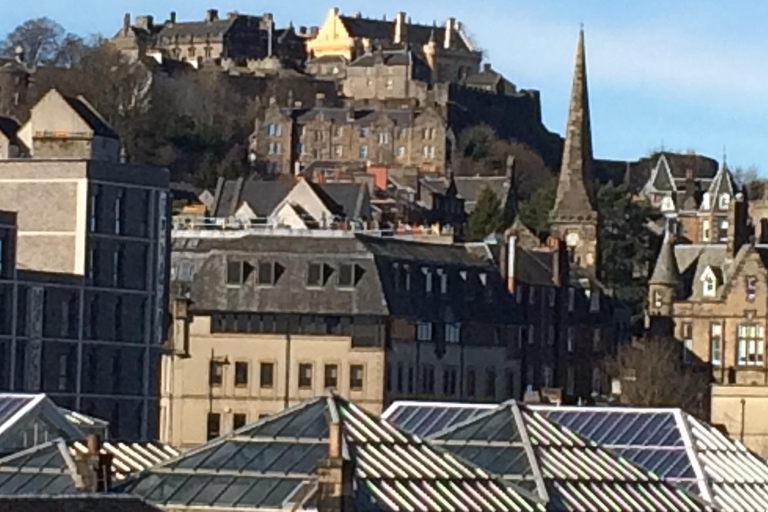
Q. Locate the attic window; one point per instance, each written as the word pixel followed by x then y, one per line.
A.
pixel 705 231
pixel 314 275
pixel 235 273
pixel 346 276
pixel 268 273
pixel 710 285
pixel 723 202
pixel 657 299
pixel 751 288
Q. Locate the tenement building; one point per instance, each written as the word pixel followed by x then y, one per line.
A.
pixel 712 297
pixel 287 139
pixel 85 317
pixel 446 50
pixel 275 317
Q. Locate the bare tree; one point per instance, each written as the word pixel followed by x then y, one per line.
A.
pixel 43 41
pixel 657 372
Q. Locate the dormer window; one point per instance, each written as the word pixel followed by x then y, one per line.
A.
pixel 751 286
pixel 709 283
pixel 657 299
pixel 705 201
pixel 723 201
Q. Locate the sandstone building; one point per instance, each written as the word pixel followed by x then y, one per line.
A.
pixel 447 51
pixel 84 260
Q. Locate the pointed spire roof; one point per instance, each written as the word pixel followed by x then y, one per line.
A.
pixel 722 184
pixel 666 271
pixel 661 178
pixel 574 190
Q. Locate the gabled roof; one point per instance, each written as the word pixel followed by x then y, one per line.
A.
pixel 722 184
pixel 661 178
pixel 520 444
pixel 46 469
pixel 91 117
pixel 271 465
pixel 27 419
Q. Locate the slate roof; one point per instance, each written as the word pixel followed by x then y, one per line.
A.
pixel 200 29
pixel 693 260
pixel 374 293
pixel 661 178
pixel 722 184
pixel 262 196
pixel 470 187
pixel 271 465
pixel 520 444
pixel 91 117
pixel 666 271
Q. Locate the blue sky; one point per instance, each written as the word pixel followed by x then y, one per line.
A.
pixel 688 74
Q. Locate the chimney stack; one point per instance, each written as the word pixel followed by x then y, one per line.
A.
pixel 126 23
pixel 450 25
pixel 172 17
pixel 334 440
pixel 211 15
pixel 400 27
pixel 94 469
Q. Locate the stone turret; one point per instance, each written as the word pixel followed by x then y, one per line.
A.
pixel 663 288
pixel 574 218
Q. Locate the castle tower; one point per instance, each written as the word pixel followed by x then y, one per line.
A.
pixel 662 289
pixel 574 217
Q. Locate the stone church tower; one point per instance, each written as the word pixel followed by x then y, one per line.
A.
pixel 574 217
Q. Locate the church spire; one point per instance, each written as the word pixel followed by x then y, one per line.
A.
pixel 574 191
pixel 574 216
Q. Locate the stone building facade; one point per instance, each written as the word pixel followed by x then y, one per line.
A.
pixel 446 50
pixel 378 320
pixel 380 74
pixel 234 39
pixel 286 140
pixel 712 298
pixel 89 301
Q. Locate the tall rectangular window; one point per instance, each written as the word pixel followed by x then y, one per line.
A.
pixel 597 380
pixel 305 376
pixel 266 273
pixel 751 288
pixel 215 373
pixel 687 338
pixel 63 364
pixel 117 264
pixel 490 383
pixel 571 299
pixel 427 280
pixel 214 425
pixel 266 375
pixel 356 377
pixel 119 213
pixel 93 210
pixel 453 333
pixel 571 341
pixel 331 376
pixel 471 383
pixel 424 331
pixel 428 379
pixel 570 381
pixel 346 277
pixel 241 374
pixel 450 374
pixel 596 339
pixel 750 346
pixel 547 376
pixel 715 344
pixel 314 275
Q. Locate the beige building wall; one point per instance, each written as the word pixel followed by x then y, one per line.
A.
pixel 332 38
pixel 48 197
pixel 187 397
pixel 742 411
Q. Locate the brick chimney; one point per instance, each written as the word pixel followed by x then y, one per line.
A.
pixel 335 475
pixel 94 469
pixel 450 25
pixel 400 27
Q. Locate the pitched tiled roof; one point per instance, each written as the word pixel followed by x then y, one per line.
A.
pixel 270 465
pixel 666 271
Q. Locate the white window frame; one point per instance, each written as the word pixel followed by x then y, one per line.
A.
pixel 750 345
pixel 716 344
pixel 424 331
pixel 453 332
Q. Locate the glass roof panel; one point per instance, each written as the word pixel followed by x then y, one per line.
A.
pixel 235 491
pixel 285 487
pixel 10 405
pixel 166 487
pixel 259 492
pixel 184 493
pixel 496 426
pixel 36 484
pixel 306 421
pixel 209 493
pixel 497 460
pixel 61 485
pixel 49 458
pixel 302 458
pixel 621 427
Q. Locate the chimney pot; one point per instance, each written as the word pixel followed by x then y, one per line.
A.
pixel 487 67
pixel 334 440
pixel 172 17
pixel 211 15
pixel 400 27
pixel 94 444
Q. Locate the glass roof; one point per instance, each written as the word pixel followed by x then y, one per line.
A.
pixel 12 404
pixel 271 465
pixel 39 470
pixel 426 421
